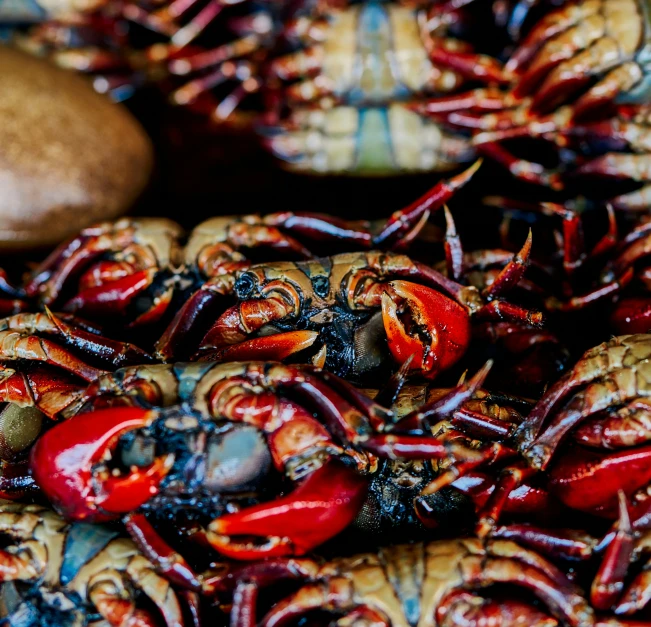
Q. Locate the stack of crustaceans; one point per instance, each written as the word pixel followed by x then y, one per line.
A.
pixel 203 424
pixel 379 87
pixel 197 427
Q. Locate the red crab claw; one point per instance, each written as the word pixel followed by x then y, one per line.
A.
pixel 267 348
pixel 64 463
pixel 109 287
pixel 425 324
pixel 323 505
pixel 631 315
pixel 111 297
pixel 589 481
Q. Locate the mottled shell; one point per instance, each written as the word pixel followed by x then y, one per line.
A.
pixel 68 156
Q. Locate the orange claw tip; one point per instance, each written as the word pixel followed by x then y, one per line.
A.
pixel 273 546
pixel 271 347
pixel 461 179
pixel 322 506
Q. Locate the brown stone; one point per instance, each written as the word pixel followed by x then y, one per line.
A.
pixel 69 157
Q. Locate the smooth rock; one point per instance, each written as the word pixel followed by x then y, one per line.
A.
pixel 69 157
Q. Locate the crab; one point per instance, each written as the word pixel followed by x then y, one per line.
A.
pixel 76 573
pixel 137 269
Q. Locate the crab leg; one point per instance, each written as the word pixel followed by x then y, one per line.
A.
pixel 520 168
pixel 118 354
pixel 118 611
pixel 335 592
pixel 420 447
pixel 482 100
pixel 469 65
pixel 575 39
pixel 379 416
pixel 609 581
pixel 567 78
pixel 401 224
pixel 50 392
pixel 203 306
pixel 510 479
pixel 444 406
pixel 464 608
pixel 17 567
pixel 237 323
pixel 596 397
pixel 486 455
pixel 605 291
pixel 167 561
pixel 454 257
pixel 321 226
pixel 68 259
pixel 510 276
pixel 276 347
pixel 563 543
pixel 14 346
pixel 552 24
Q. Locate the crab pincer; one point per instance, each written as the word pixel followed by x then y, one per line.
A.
pixel 422 322
pixel 66 460
pixel 324 504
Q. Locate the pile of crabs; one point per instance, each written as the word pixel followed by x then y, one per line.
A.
pixel 381 86
pixel 296 419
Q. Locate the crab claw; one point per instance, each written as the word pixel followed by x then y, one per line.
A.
pixel 110 297
pixel 65 461
pixel 267 348
pixel 323 505
pixel 632 315
pixel 590 482
pixel 425 324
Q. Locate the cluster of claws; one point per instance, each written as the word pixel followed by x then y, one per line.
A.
pixel 212 419
pixel 260 463
pixel 350 312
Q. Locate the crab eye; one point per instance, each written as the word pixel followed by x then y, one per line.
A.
pixel 321 285
pixel 245 285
